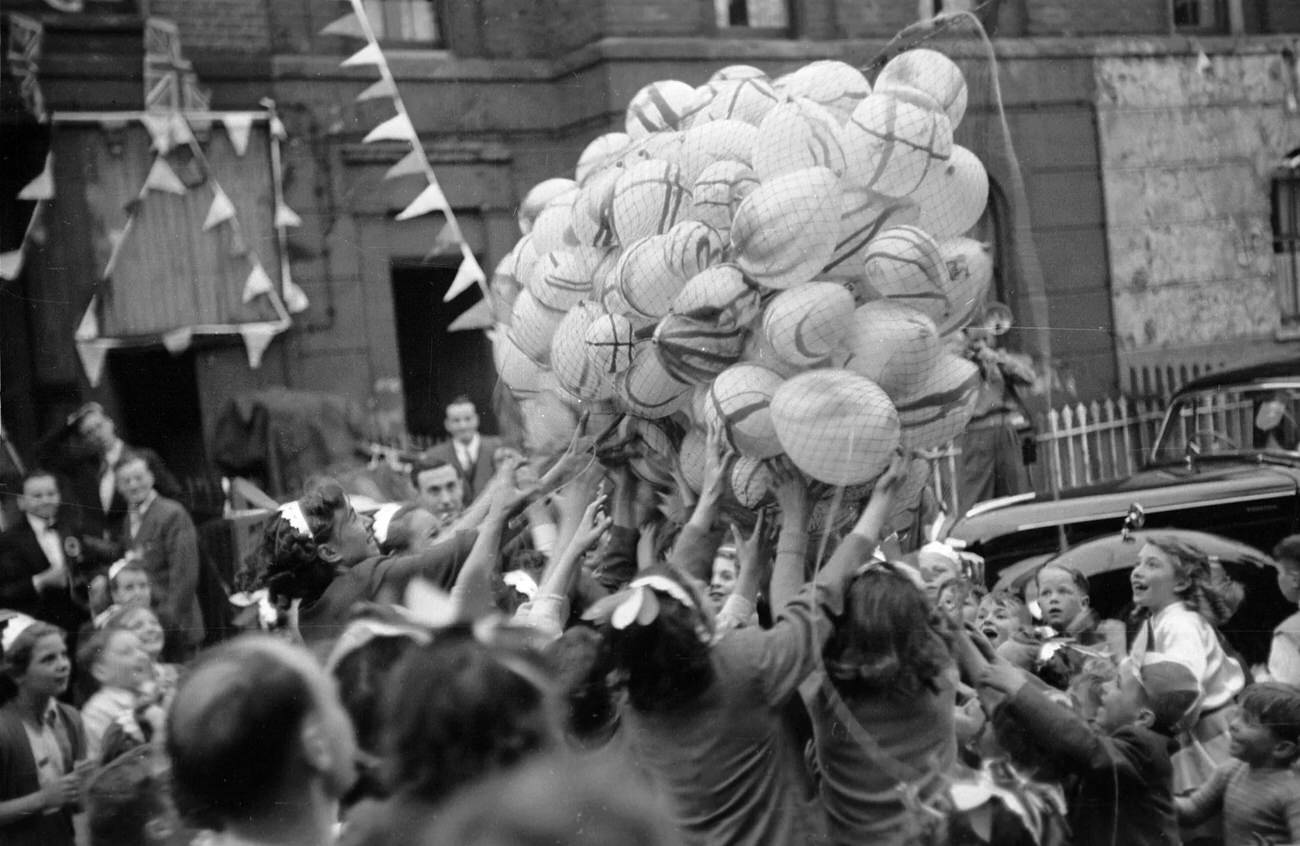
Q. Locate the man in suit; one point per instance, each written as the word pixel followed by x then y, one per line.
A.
pixel 38 560
pixel 86 450
pixel 440 489
pixel 161 533
pixel 469 452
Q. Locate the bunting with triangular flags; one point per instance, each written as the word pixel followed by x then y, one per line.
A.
pixel 220 211
pixel 286 217
pixel 396 128
pixel 239 125
pixel 257 337
pixel 295 300
pixel 88 328
pixel 178 340
pixel 469 273
pixel 347 26
pixel 383 88
pixel 160 130
pixel 430 199
pixel 368 55
pixel 258 283
pixel 446 242
pixel 92 355
pixel 11 264
pixel 162 178
pixel 411 164
pixel 42 187
pixel 477 316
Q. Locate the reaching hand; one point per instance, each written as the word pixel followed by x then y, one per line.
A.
pixel 1003 676
pixel 791 490
pixel 64 791
pixel 593 525
pixel 747 548
pixel 716 454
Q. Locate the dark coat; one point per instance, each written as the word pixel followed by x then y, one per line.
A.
pixel 18 778
pixel 1123 792
pixel 168 545
pixel 98 528
pixel 475 481
pixel 21 558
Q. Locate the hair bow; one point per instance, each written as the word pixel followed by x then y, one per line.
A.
pixel 14 626
pixel 638 603
pixel 291 511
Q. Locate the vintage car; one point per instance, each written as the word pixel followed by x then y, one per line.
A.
pixel 1226 462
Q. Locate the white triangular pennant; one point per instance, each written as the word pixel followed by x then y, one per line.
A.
pixel 11 264
pixel 160 131
pixel 295 300
pixel 220 211
pixel 447 240
pixel 396 128
pixel 410 164
pixel 163 178
pixel 430 199
pixel 348 25
pixel 469 273
pixel 258 283
pixel 42 187
pixel 115 239
pixel 257 337
pixel 178 341
pixel 286 218
pixel 92 360
pixel 477 316
pixel 368 55
pixel 238 126
pixel 180 129
pixel 88 329
pixel 382 88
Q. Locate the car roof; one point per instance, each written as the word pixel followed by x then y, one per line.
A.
pixel 1280 369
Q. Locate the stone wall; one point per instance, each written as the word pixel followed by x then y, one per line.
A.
pixel 1188 146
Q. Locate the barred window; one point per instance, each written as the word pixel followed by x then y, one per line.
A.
pixel 413 23
pixel 771 15
pixel 1286 239
pixel 1198 15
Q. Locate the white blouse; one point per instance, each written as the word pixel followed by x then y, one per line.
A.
pixel 1183 635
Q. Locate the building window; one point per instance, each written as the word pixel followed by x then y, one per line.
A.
pixel 752 14
pixel 1198 15
pixel 1286 240
pixel 407 22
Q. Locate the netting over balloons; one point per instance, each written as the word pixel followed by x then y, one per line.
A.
pixel 786 258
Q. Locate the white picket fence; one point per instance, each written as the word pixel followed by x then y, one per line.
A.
pixel 1077 445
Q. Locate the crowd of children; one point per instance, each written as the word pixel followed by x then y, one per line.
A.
pixel 637 680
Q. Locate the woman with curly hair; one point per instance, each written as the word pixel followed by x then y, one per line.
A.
pixel 1172 588
pixel 705 709
pixel 883 713
pixel 319 557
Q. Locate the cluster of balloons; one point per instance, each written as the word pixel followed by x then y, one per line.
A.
pixel 783 258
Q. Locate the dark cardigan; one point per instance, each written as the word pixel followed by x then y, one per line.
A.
pixel 18 778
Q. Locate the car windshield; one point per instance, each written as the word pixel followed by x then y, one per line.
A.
pixel 1231 421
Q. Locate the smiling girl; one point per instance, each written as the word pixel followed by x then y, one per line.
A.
pixel 41 739
pixel 1171 585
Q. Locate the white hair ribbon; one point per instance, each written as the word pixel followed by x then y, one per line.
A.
pixel 116 567
pixel 291 511
pixel 384 520
pixel 15 626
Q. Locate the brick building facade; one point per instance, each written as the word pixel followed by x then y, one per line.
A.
pixel 1146 175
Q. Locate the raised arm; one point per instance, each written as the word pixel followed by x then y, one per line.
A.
pixel 693 552
pixel 739 607
pixel 788 572
pixel 473 588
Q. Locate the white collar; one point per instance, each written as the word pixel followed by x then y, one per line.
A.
pixel 38 524
pixel 471 446
pixel 144 506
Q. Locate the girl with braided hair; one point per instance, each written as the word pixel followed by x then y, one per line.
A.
pixel 1172 587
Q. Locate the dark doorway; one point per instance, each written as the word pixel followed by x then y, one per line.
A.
pixel 158 407
pixel 438 365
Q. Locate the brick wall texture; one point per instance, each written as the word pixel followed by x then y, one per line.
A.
pixel 218 26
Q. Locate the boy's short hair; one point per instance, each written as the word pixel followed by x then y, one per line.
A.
pixel 1276 706
pixel 1170 689
pixel 1079 580
pixel 1288 547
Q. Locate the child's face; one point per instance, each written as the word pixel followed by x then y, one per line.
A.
pixel 1155 579
pixel 47 672
pixel 144 624
pixel 1059 597
pixel 131 588
pixel 723 580
pixel 995 621
pixel 123 662
pixel 1121 701
pixel 1250 740
pixel 1288 578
